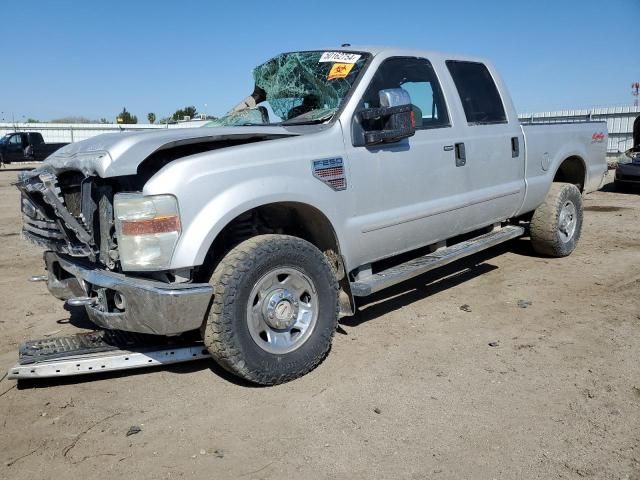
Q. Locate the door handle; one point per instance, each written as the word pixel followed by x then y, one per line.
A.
pixel 515 147
pixel 461 155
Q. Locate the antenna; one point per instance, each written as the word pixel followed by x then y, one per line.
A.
pixel 635 88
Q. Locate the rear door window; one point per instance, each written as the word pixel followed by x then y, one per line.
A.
pixel 478 93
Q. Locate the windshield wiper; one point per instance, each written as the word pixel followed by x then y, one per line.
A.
pixel 314 121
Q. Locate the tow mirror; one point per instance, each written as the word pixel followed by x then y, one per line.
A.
pixel 392 121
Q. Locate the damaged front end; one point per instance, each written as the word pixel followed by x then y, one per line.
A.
pixel 59 214
pixel 71 215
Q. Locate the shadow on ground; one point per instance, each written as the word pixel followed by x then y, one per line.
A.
pixel 430 283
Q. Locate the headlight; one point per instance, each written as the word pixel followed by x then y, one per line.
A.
pixel 147 228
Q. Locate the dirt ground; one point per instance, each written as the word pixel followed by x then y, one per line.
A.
pixel 504 366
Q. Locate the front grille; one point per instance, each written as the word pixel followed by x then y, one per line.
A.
pixel 70 214
pixel 52 213
pixel 40 230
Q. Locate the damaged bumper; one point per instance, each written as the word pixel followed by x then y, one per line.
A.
pixel 122 302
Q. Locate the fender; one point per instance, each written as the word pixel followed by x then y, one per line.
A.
pixel 229 182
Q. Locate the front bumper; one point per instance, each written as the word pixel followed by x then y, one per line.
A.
pixel 149 306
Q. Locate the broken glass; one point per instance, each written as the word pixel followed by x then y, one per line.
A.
pixel 305 86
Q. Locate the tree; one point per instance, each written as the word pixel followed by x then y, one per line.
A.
pixel 71 119
pixel 151 117
pixel 190 112
pixel 126 117
pixel 32 120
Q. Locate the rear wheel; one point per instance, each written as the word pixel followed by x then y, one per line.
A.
pixel 556 224
pixel 274 311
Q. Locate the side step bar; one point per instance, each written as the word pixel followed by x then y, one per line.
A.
pixel 431 261
pixel 101 351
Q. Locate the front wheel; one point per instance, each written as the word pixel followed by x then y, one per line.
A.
pixel 274 310
pixel 556 224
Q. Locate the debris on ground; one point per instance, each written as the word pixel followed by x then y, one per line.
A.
pixel 133 429
pixel 465 308
pixel 494 344
pixel 377 410
pixel 524 303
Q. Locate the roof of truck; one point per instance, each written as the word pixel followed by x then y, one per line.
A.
pixel 397 51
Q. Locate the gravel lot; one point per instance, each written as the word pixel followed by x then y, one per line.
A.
pixel 505 366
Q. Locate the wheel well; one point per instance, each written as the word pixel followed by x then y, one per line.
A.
pixel 287 218
pixel 571 170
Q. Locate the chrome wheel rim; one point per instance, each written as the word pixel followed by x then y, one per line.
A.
pixel 567 221
pixel 282 310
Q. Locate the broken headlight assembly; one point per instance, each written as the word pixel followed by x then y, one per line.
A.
pixel 147 230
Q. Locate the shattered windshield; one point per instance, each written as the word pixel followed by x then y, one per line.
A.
pixel 297 88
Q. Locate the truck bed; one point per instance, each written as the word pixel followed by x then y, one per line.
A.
pixel 549 143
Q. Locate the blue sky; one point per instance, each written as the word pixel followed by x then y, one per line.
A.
pixel 90 59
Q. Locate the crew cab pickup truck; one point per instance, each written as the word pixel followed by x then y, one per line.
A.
pixel 344 172
pixel 26 146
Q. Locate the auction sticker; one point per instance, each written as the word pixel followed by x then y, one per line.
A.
pixel 339 70
pixel 342 57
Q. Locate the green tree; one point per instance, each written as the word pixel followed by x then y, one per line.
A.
pixel 185 112
pixel 32 120
pixel 151 117
pixel 126 117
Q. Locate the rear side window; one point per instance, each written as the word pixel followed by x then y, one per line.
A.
pixel 478 92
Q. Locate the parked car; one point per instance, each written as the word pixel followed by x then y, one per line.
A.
pixel 628 168
pixel 352 170
pixel 26 146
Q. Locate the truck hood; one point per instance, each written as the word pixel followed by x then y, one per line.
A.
pixel 117 154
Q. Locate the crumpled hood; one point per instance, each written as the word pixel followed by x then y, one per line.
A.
pixel 116 154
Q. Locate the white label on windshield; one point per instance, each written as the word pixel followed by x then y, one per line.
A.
pixel 342 57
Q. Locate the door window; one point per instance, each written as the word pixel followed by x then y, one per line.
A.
pixel 417 77
pixel 16 140
pixel 478 92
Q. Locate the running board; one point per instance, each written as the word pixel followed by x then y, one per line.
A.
pixel 101 351
pixel 431 261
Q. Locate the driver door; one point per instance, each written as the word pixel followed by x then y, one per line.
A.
pixel 14 149
pixel 403 191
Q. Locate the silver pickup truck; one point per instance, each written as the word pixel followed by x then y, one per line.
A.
pixel 344 172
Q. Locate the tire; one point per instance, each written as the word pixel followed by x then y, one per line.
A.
pixel 259 284
pixel 556 224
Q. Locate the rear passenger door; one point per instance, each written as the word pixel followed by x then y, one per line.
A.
pixel 493 147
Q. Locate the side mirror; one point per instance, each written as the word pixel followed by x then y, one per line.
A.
pixel 391 122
